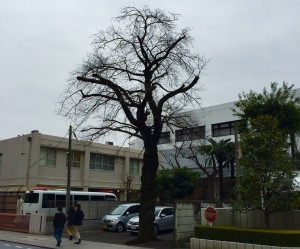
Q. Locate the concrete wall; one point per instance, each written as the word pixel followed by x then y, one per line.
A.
pixel 215 244
pixel 187 215
pixel 190 213
pixel 254 219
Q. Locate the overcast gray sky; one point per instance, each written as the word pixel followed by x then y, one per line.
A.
pixel 250 44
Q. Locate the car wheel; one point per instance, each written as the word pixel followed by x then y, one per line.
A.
pixel 120 227
pixel 156 229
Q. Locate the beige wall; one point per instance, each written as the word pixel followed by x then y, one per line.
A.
pixel 21 164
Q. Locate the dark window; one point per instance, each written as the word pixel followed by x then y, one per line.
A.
pixel 60 200
pixel 110 198
pixel 188 134
pixel 223 129
pixel 167 211
pixel 48 201
pixel 97 198
pixel 31 198
pixel 133 209
pixel 81 197
pixel 164 138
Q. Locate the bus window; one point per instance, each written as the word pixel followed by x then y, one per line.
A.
pixel 97 198
pixel 81 198
pixel 48 201
pixel 110 198
pixel 31 198
pixel 60 200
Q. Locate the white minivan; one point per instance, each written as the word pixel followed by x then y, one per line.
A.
pixel 117 218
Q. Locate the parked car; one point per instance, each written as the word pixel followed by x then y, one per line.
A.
pixel 164 220
pixel 117 218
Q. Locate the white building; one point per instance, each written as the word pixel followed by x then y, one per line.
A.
pixel 215 122
pixel 40 161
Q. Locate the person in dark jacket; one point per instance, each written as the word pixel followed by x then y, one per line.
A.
pixel 77 222
pixel 70 226
pixel 59 221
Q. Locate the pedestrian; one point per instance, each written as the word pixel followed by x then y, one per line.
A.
pixel 70 225
pixel 19 209
pixel 59 221
pixel 77 222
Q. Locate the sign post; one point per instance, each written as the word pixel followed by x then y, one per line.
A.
pixel 210 215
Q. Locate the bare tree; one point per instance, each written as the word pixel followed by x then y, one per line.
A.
pixel 141 73
pixel 127 185
pixel 191 153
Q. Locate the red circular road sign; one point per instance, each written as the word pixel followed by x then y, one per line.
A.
pixel 210 214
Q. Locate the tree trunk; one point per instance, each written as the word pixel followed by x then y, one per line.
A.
pixel 210 187
pixel 221 190
pixel 293 147
pixel 148 192
pixel 232 176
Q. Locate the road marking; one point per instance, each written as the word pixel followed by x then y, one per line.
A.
pixel 9 245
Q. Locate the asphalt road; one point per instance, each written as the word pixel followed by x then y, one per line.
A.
pixel 12 245
pixel 164 239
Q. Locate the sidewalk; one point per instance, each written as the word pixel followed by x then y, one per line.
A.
pixel 49 241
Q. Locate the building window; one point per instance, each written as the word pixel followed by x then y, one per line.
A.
pixel 76 155
pixel 47 156
pixel 164 138
pixel 102 162
pixel 223 129
pixel 134 166
pixel 188 134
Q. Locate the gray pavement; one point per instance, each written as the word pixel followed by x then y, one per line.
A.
pixel 48 241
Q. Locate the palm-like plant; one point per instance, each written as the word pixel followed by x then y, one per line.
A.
pixel 218 154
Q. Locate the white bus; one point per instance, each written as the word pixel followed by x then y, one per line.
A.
pixel 47 201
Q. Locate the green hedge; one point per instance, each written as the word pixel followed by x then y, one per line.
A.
pixel 284 238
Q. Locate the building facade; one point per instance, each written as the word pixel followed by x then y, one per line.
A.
pixel 217 122
pixel 37 160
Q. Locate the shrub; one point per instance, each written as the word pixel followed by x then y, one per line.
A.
pixel 285 238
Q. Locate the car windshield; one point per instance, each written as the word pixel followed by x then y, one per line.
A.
pixel 118 210
pixel 156 212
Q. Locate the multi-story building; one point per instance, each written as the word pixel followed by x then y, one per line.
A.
pixel 40 161
pixel 217 122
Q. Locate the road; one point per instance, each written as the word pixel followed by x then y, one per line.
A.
pixel 11 245
pixel 164 240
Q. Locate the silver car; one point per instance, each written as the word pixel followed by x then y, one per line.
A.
pixel 164 220
pixel 117 218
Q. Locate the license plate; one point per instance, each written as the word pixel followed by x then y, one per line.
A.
pixel 104 226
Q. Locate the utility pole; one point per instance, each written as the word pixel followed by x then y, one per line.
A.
pixel 29 139
pixel 69 170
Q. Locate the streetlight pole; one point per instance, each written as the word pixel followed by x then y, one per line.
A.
pixel 69 170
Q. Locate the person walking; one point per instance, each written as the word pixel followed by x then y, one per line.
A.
pixel 77 222
pixel 59 221
pixel 70 226
pixel 19 209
